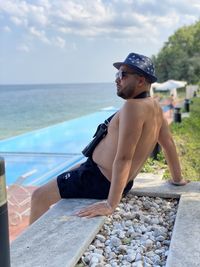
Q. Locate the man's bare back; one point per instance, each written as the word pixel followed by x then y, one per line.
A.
pixel 151 118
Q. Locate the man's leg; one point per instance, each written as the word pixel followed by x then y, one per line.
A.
pixel 42 198
pixel 45 196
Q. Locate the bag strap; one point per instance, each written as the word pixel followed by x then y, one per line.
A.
pixel 109 119
pixel 104 125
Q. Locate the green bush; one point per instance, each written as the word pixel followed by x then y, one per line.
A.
pixel 153 166
pixel 187 138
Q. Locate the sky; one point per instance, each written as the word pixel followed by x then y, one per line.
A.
pixel 62 41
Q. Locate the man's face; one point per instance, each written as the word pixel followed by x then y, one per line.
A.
pixel 126 81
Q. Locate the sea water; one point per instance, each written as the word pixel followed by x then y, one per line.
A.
pixel 29 107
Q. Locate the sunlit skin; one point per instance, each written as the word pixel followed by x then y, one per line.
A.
pixel 132 135
pixel 128 90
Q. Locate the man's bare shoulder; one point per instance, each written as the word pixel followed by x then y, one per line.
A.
pixel 141 107
pixel 131 112
pixel 132 105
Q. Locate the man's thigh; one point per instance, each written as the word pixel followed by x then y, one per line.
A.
pixel 50 192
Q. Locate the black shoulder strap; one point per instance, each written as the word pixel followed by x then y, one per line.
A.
pixel 109 119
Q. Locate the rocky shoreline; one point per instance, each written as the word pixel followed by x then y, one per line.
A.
pixel 138 234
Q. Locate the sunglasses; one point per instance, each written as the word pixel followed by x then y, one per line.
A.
pixel 122 74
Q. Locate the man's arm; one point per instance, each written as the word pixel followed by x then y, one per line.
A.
pixel 130 128
pixel 166 141
pixel 122 162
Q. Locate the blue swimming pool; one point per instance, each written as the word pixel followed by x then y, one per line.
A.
pixel 38 156
pixel 167 108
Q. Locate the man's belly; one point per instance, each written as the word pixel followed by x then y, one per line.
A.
pixel 104 159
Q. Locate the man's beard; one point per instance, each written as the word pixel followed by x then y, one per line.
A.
pixel 126 93
pixel 121 94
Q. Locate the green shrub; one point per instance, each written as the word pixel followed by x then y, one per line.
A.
pixel 187 138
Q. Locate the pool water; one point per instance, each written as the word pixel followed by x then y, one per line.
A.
pixel 36 157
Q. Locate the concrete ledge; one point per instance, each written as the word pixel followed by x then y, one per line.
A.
pixel 58 238
pixel 153 185
pixel 184 247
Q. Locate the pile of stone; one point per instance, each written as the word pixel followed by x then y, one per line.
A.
pixel 137 235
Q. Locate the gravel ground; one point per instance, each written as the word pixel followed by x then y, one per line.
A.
pixel 138 234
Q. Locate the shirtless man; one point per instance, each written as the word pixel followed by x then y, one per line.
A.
pixel 119 157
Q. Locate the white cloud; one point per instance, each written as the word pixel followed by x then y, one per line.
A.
pixel 60 42
pixel 17 21
pixel 39 15
pixel 23 48
pixel 64 30
pixel 45 3
pixel 114 19
pixel 6 29
pixel 41 35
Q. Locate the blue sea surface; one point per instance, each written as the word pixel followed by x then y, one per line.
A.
pixel 29 107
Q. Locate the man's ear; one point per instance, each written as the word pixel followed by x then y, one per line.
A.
pixel 141 80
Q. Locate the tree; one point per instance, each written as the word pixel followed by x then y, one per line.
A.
pixel 179 58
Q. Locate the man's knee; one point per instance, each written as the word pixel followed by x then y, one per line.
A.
pixel 37 195
pixel 47 194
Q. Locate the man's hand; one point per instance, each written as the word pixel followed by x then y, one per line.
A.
pixel 181 182
pixel 96 209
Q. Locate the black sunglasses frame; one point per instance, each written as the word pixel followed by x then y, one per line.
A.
pixel 121 74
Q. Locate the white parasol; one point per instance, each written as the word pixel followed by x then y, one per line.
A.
pixel 169 85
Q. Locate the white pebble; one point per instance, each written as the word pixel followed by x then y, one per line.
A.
pixel 94 260
pixel 138 257
pixel 137 264
pixel 91 247
pixel 101 238
pixel 148 244
pixel 115 241
pixel 98 244
pixel 98 251
pixel 122 248
pixel 131 257
pixel 97 256
pixel 136 235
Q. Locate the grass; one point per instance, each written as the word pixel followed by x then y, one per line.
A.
pixel 187 138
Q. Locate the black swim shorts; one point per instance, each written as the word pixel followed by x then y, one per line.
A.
pixel 86 181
